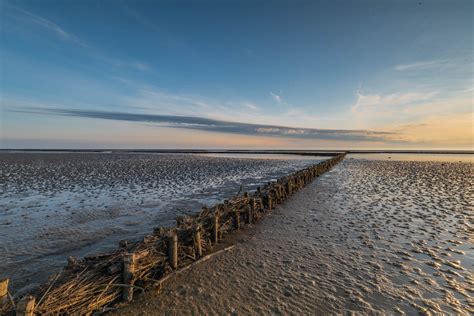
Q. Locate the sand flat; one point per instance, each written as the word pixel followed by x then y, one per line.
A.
pixel 376 237
pixel 55 205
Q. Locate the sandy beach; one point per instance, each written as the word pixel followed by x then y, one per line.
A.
pixel 370 236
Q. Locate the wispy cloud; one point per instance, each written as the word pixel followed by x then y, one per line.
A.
pixel 140 66
pixel 68 36
pixel 250 106
pixel 149 99
pixel 276 97
pixel 135 65
pixel 378 110
pixel 365 101
pixel 154 26
pixel 48 25
pixel 419 117
pixel 219 126
pixel 152 100
pixel 421 65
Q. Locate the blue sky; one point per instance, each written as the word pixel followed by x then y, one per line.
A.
pixel 236 74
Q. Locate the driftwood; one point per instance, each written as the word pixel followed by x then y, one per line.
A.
pixel 96 282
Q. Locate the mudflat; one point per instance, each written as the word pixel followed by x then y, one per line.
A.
pixel 55 205
pixel 372 236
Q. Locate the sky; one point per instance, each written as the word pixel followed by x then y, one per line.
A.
pixel 237 74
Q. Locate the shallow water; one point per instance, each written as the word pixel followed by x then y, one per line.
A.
pixel 375 237
pixel 262 156
pixel 53 205
pixel 415 157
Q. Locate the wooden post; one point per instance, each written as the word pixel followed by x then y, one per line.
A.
pixel 237 219
pixel 250 208
pixel 246 195
pixel 278 194
pixel 197 242
pixel 173 250
pixel 128 270
pixel 269 201
pixel 215 229
pixel 3 291
pixel 26 306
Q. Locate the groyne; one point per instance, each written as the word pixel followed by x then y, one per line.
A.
pixel 94 283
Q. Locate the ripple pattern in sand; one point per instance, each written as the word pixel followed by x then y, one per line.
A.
pixel 369 237
pixel 53 205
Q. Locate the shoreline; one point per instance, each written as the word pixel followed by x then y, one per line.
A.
pixel 325 152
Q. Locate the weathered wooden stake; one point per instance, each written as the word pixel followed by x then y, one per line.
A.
pixel 128 270
pixel 250 211
pixel 237 219
pixel 173 251
pixel 215 232
pixel 197 242
pixel 123 243
pixel 269 202
pixel 3 291
pixel 26 306
pixel 258 205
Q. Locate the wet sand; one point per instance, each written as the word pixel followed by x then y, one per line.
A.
pixel 55 205
pixel 375 237
pixel 441 157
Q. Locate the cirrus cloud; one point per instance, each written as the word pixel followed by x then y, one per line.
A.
pixel 381 101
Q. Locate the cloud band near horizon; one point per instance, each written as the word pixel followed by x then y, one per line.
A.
pixel 218 126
